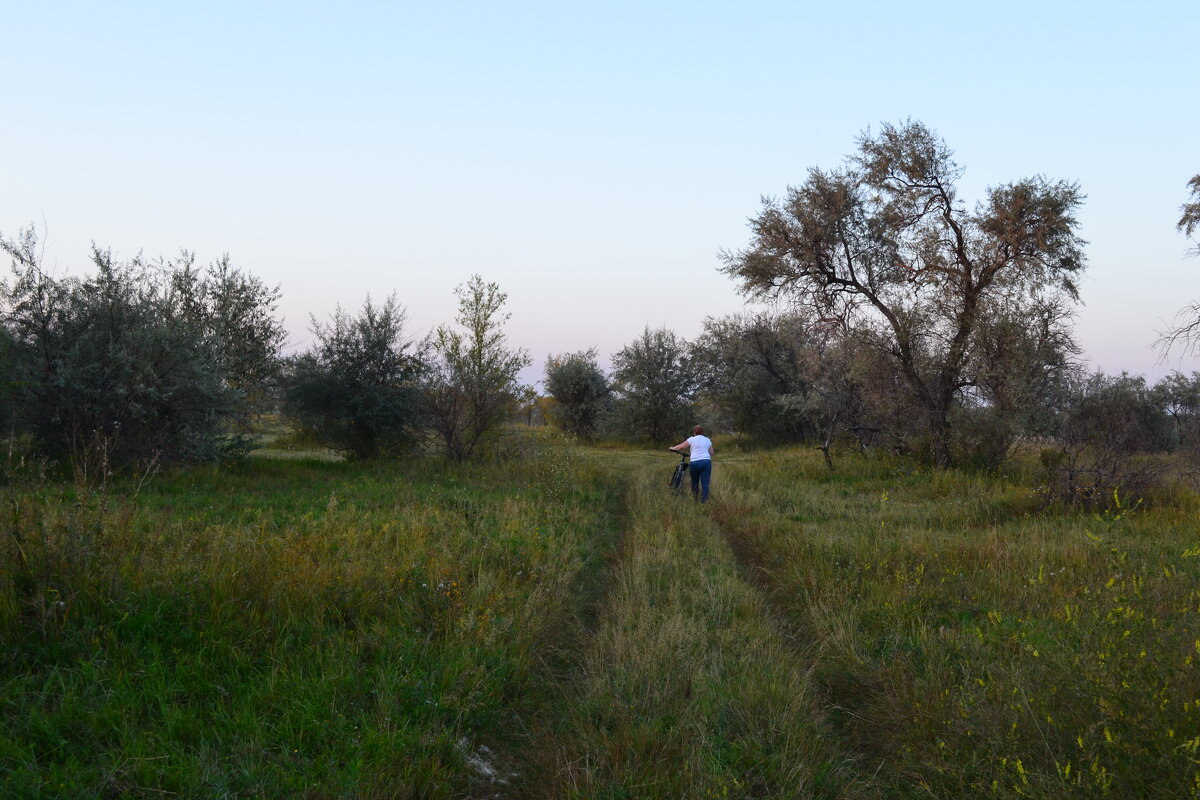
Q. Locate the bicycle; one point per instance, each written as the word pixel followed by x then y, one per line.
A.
pixel 681 470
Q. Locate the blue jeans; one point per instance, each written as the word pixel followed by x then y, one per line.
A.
pixel 701 475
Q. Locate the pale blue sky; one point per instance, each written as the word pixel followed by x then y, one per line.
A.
pixel 591 159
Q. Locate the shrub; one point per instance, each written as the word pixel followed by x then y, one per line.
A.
pixel 357 390
pixel 1108 430
pixel 143 362
pixel 580 390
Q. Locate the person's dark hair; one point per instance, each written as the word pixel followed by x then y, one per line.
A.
pixel 696 431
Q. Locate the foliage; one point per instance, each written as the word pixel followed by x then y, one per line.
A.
pixel 1021 366
pixel 473 385
pixel 1024 356
pixel 10 385
pixel 1178 396
pixel 886 242
pixel 1107 428
pixel 580 390
pixel 786 377
pixel 1189 221
pixel 236 312
pixel 754 368
pixel 357 390
pixel 655 385
pixel 143 362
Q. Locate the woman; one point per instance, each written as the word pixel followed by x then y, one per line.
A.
pixel 700 447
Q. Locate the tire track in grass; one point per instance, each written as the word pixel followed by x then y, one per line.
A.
pixel 503 770
pixel 789 564
pixel 685 687
pixel 731 516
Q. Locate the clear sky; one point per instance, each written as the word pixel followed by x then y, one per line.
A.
pixel 592 159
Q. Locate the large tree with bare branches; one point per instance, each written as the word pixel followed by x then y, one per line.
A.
pixel 886 241
pixel 1186 332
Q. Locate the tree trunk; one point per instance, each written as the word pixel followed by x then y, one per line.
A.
pixel 939 434
pixel 830 430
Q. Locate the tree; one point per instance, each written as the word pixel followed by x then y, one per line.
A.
pixel 655 385
pixel 474 382
pixel 1189 222
pixel 1022 362
pixel 131 365
pixel 1186 332
pixel 580 389
pixel 887 242
pixel 357 390
pixel 753 368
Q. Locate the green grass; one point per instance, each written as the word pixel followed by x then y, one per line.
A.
pixel 972 642
pixel 286 628
pixel 558 626
pixel 685 688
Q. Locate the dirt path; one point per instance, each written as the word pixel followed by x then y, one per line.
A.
pixel 683 684
pixel 755 565
pixel 513 768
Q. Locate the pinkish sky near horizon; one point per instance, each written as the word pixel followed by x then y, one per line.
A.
pixel 591 159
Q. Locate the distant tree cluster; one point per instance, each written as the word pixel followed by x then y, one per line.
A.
pixel 368 389
pixel 916 320
pixel 915 323
pixel 650 395
pixel 147 363
pixel 912 321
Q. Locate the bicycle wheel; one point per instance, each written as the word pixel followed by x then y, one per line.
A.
pixel 677 478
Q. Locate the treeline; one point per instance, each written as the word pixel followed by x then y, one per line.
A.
pixel 784 378
pixel 148 363
pixel 163 362
pixel 916 324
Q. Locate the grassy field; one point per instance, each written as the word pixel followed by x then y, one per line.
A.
pixel 290 628
pixel 967 641
pixel 558 626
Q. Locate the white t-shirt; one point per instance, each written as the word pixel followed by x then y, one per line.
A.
pixel 701 448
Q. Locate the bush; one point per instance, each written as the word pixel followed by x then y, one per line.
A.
pixel 1108 430
pixel 580 390
pixel 144 362
pixel 357 390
